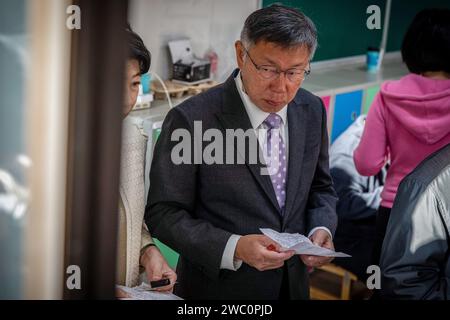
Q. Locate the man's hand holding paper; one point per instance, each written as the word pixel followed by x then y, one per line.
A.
pixel 322 239
pixel 255 251
pixel 314 252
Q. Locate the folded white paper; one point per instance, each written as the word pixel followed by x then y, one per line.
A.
pixel 300 244
pixel 144 292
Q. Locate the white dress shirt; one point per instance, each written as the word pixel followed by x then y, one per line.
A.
pixel 257 117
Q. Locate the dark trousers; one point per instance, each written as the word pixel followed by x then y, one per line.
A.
pixel 284 290
pixel 357 238
pixel 381 226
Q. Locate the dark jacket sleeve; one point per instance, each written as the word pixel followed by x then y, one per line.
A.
pixel 415 247
pixel 358 197
pixel 321 207
pixel 170 211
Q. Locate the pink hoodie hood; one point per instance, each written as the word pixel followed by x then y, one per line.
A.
pixel 421 105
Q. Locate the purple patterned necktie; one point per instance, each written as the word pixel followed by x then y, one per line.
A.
pixel 277 158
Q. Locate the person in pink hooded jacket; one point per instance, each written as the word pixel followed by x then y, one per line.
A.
pixel 409 118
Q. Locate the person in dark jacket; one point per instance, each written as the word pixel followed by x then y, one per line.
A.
pixel 211 211
pixel 415 252
pixel 359 199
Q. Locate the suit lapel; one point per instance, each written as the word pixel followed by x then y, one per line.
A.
pixel 297 134
pixel 235 117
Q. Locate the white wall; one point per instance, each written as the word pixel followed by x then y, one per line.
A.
pixel 208 23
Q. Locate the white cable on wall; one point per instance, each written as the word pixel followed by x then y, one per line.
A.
pixel 164 87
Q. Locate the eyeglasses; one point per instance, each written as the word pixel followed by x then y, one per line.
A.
pixel 270 72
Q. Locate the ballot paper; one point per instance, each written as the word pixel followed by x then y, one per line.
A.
pixel 144 292
pixel 300 244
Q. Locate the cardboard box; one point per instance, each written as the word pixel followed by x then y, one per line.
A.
pixel 188 69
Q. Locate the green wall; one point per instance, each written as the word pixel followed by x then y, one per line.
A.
pixel 341 25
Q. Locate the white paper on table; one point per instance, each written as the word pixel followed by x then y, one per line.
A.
pixel 144 292
pixel 300 244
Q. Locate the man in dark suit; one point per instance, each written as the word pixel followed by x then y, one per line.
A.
pixel 211 212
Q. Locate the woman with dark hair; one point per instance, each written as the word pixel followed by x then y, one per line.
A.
pixel 409 118
pixel 136 251
pixel 138 63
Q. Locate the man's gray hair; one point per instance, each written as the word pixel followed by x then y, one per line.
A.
pixel 282 25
